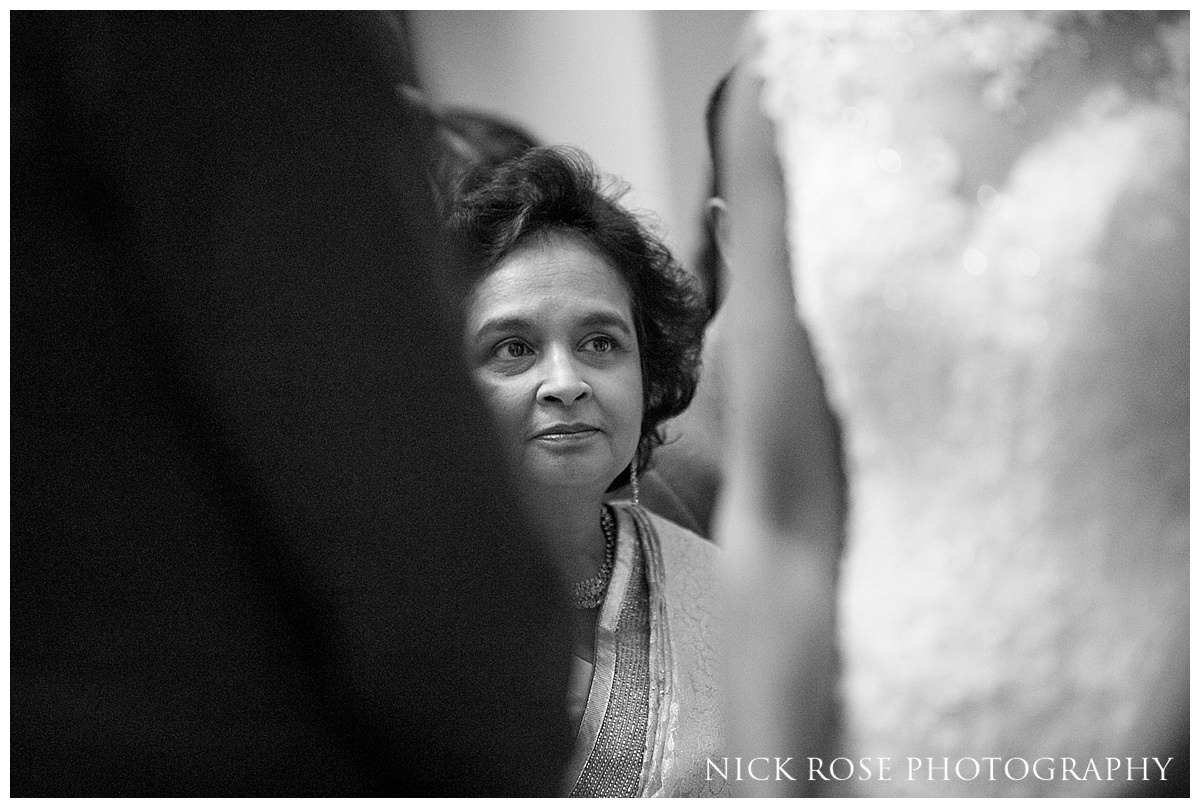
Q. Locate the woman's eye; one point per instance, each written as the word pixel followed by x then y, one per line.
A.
pixel 512 350
pixel 600 344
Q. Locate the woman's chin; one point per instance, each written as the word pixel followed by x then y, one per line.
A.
pixel 584 481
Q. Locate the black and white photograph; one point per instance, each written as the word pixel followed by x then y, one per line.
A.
pixel 599 403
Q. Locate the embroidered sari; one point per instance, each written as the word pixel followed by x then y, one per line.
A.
pixel 652 715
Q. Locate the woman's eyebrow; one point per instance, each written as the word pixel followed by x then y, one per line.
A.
pixel 504 323
pixel 608 320
pixel 519 324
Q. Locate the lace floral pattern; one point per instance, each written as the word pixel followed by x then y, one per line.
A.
pixel 988 227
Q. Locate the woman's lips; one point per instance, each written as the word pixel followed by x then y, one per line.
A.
pixel 567 434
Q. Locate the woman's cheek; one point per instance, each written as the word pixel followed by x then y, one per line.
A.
pixel 505 402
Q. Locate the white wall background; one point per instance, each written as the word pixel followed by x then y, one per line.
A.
pixel 627 87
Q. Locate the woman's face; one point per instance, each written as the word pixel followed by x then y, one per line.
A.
pixel 551 343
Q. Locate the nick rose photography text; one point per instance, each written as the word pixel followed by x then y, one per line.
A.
pixel 967 769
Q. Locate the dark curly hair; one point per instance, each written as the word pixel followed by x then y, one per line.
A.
pixel 556 189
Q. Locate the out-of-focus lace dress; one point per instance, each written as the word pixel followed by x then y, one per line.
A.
pixel 988 223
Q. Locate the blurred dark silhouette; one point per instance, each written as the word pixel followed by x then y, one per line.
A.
pixel 467 140
pixel 492 140
pixel 261 542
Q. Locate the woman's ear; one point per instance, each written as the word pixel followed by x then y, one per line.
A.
pixel 716 216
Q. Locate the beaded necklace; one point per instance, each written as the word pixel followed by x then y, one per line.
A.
pixel 589 593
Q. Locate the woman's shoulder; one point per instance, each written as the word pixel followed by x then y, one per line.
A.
pixel 677 540
pixel 676 532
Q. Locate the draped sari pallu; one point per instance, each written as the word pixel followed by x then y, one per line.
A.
pixel 652 716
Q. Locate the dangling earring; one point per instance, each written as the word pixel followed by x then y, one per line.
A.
pixel 633 478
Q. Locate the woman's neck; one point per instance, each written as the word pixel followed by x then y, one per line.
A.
pixel 573 524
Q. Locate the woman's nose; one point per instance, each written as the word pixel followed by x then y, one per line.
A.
pixel 563 383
